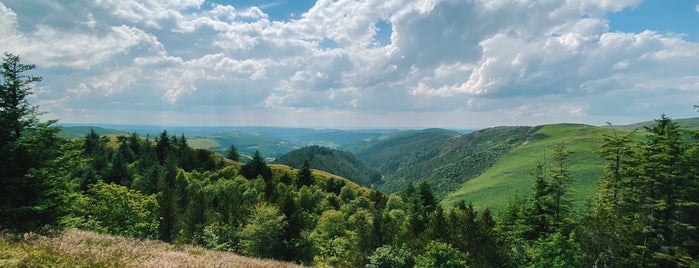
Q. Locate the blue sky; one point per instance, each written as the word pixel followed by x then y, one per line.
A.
pixel 348 63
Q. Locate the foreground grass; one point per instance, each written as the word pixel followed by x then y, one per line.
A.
pixel 75 248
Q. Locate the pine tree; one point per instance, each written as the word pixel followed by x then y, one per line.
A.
pixel 27 199
pixel 256 167
pixel 232 153
pixel 305 178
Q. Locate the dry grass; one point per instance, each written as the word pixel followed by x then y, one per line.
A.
pixel 75 248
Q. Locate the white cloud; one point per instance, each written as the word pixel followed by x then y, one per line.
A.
pixel 553 58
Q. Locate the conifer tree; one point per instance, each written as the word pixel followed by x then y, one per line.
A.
pixel 305 178
pixel 232 153
pixel 27 199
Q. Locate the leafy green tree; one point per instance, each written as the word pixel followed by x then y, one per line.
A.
pixel 333 241
pixel 262 231
pixel 114 209
pixel 388 256
pixel 442 255
pixel 555 251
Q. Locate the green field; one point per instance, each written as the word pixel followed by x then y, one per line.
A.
pixel 511 174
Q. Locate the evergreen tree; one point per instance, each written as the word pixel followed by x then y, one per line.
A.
pixel 162 146
pixel 232 153
pixel 305 178
pixel 27 199
pixel 256 167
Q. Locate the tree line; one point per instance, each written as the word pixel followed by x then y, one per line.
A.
pixel 160 188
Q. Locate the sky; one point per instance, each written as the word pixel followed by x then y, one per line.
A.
pixel 350 63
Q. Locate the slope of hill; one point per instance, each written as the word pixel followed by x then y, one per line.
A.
pixel 392 152
pixel 459 159
pixel 75 248
pixel 337 162
pixel 686 123
pixel 73 132
pixel 512 172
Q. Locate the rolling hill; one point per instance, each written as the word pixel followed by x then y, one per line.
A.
pixel 337 162
pixel 74 132
pixel 511 173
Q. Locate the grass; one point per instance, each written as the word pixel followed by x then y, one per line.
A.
pixel 75 248
pixel 511 174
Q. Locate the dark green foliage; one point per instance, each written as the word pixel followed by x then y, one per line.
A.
pixel 232 153
pixel 256 167
pixel 341 163
pixel 440 157
pixel 304 177
pixel 33 186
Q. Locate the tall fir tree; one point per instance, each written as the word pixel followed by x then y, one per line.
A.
pixel 30 185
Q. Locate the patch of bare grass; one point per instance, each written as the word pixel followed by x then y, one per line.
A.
pixel 75 248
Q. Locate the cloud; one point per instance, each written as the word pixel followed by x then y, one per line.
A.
pixel 551 59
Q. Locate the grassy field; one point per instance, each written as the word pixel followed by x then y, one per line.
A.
pixel 512 173
pixel 76 248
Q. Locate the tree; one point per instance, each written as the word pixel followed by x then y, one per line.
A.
pixel 116 210
pixel 390 256
pixel 256 167
pixel 559 183
pixel 262 232
pixel 27 149
pixel 442 255
pixel 232 153
pixel 16 114
pixel 305 178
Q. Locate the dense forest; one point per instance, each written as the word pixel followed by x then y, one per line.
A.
pixel 161 188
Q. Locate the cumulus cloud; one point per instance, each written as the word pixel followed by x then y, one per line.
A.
pixel 552 59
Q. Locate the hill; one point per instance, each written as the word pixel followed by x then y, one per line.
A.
pixel 75 248
pixel 511 173
pixel 247 143
pixel 392 152
pixel 460 159
pixel 337 162
pixel 691 123
pixel 73 132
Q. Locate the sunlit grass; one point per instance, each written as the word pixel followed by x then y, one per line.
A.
pixel 75 248
pixel 512 173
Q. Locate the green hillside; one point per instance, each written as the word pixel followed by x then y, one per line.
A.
pixel 691 123
pixel 246 142
pixel 73 132
pixel 337 162
pixel 459 159
pixel 511 174
pixel 401 149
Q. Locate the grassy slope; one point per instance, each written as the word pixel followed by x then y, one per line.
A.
pixel 74 132
pixel 76 248
pixel 512 173
pixel 686 123
pixel 338 162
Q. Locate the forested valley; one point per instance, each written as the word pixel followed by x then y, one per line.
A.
pixel 159 188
